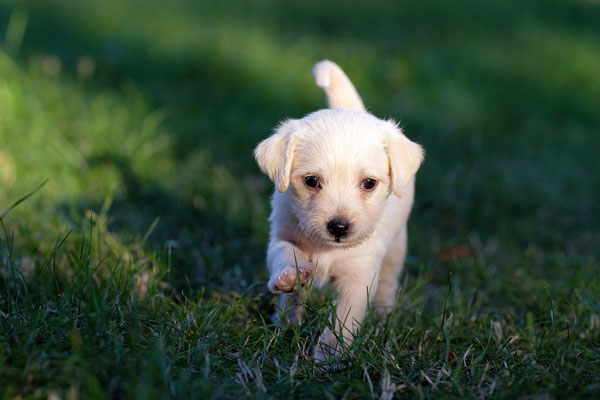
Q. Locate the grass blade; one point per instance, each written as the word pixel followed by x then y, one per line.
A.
pixel 22 199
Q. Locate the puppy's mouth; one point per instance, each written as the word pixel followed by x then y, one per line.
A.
pixel 339 242
pixel 351 239
pixel 345 241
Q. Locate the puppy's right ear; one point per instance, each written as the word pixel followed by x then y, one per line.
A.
pixel 274 155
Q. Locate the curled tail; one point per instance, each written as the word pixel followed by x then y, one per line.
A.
pixel 338 88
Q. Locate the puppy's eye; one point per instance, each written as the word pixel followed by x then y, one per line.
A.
pixel 368 184
pixel 312 181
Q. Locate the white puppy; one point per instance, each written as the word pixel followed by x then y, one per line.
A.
pixel 345 187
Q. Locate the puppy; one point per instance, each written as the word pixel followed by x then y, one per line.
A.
pixel 344 189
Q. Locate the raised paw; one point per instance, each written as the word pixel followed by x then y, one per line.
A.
pixel 286 280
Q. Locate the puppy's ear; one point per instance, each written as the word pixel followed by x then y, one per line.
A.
pixel 274 155
pixel 405 157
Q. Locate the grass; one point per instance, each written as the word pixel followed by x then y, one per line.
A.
pixel 137 270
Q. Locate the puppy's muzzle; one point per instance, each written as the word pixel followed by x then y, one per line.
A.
pixel 338 228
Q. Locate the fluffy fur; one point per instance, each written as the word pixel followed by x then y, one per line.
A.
pixel 343 149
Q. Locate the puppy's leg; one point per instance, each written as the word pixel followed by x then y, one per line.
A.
pixel 355 292
pixel 289 309
pixel 389 276
pixel 287 263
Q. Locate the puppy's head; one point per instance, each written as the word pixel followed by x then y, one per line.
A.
pixel 340 167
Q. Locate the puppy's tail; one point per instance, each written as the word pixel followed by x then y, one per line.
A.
pixel 338 88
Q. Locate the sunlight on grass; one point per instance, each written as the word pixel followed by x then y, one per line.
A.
pixel 137 270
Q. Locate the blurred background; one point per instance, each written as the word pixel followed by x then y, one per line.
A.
pixel 141 110
pixel 143 116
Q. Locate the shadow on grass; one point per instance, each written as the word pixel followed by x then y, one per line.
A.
pixel 493 126
pixel 204 247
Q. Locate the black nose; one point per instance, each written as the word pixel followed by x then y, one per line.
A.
pixel 338 228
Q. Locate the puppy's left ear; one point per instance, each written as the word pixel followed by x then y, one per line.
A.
pixel 274 155
pixel 405 157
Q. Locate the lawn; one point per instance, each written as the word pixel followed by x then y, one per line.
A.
pixel 136 267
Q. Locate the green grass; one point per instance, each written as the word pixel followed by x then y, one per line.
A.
pixel 137 270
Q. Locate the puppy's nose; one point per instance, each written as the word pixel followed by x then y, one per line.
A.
pixel 338 227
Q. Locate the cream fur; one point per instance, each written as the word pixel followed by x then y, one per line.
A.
pixel 342 147
pixel 338 88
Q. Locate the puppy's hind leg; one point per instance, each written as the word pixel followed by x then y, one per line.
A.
pixel 391 268
pixel 289 309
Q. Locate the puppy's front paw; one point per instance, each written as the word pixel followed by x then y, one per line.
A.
pixel 286 280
